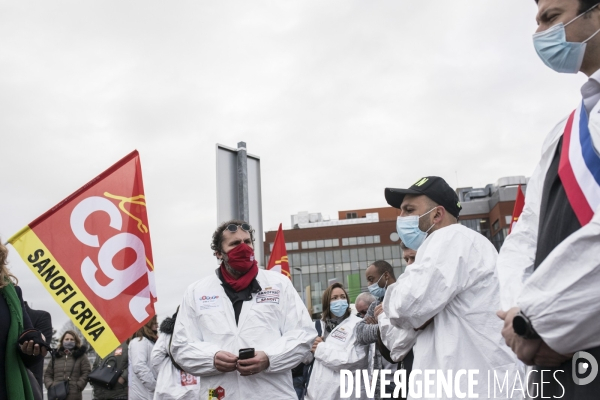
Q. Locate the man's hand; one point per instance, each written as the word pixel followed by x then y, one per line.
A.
pixel 32 349
pixel 225 361
pixel 318 340
pixel 525 349
pixel 253 365
pixel 378 310
pixel 121 380
pixel 546 357
pixel 371 320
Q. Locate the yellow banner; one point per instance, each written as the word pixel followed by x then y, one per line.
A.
pixel 65 292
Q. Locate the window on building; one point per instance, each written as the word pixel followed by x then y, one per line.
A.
pixel 304 259
pixel 369 239
pixel 305 245
pixel 352 241
pixel 351 215
pixel 371 254
pixel 353 255
pixel 321 258
pixel 335 242
pixel 329 257
pixel 496 225
pixel 320 244
pixel 376 239
pixel 387 252
pixel 362 254
pixel 345 255
pixel 345 242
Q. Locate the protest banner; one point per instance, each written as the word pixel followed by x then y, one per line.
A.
pixel 92 253
pixel 278 261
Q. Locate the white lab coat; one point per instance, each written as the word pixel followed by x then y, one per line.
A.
pixel 339 351
pixel 170 384
pixel 274 321
pixel 453 281
pixel 142 380
pixel 561 298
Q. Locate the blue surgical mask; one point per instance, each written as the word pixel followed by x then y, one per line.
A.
pixel 338 307
pixel 554 50
pixel 377 291
pixel 409 232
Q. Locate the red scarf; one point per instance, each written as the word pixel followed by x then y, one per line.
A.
pixel 241 259
pixel 243 281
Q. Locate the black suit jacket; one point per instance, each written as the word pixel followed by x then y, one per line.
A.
pixel 42 321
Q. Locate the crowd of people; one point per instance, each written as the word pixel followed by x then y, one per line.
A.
pixel 244 333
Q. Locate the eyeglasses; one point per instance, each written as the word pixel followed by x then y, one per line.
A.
pixel 360 314
pixel 233 228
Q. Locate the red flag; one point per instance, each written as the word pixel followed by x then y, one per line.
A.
pixel 519 203
pixel 279 259
pixel 92 252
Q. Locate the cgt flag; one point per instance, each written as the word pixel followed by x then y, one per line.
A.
pixel 279 260
pixel 518 209
pixel 92 252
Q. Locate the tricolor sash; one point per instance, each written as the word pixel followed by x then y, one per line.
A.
pixel 579 167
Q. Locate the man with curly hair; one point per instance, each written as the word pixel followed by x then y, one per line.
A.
pixel 242 307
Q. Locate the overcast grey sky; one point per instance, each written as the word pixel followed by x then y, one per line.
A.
pixel 339 99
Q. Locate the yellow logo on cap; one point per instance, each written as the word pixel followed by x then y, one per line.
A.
pixel 421 182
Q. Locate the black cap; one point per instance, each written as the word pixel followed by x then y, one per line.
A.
pixel 433 187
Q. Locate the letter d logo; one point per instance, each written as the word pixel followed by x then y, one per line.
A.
pixel 581 368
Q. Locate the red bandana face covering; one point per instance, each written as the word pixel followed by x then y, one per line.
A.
pixel 241 259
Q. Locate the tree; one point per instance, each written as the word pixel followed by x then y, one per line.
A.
pixel 54 340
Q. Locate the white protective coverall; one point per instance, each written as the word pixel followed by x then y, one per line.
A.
pixel 171 384
pixel 399 341
pixel 142 380
pixel 453 281
pixel 562 298
pixel 274 321
pixel 339 351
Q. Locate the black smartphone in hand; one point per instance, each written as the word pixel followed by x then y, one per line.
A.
pixel 246 353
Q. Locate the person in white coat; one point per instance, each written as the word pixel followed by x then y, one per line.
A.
pixel 451 291
pixel 549 266
pixel 338 348
pixel 172 383
pixel 241 307
pixel 142 380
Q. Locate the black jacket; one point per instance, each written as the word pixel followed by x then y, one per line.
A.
pixel 29 361
pixel 42 321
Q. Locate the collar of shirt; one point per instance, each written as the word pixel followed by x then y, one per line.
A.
pixel 591 91
pixel 243 295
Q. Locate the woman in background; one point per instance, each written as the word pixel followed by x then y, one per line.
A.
pixel 337 349
pixel 69 363
pixel 142 380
